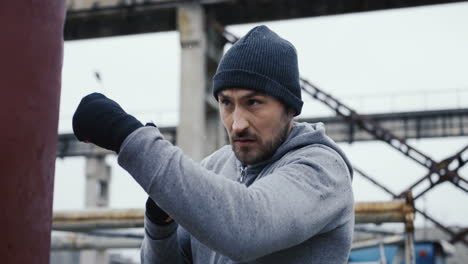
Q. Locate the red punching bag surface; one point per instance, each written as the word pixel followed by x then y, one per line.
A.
pixel 31 51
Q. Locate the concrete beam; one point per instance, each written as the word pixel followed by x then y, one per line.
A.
pixel 69 146
pixel 103 18
pixel 409 125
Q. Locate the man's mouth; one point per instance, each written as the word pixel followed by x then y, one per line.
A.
pixel 244 142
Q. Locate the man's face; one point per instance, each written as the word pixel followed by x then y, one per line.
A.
pixel 257 123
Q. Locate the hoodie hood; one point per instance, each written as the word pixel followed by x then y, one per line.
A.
pixel 305 134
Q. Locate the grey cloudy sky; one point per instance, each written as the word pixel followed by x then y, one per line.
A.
pixel 376 62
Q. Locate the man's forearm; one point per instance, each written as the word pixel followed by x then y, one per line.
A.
pixel 160 244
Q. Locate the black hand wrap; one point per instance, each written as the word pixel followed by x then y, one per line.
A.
pixel 102 121
pixel 156 214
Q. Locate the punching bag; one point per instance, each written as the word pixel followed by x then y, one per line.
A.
pixel 31 52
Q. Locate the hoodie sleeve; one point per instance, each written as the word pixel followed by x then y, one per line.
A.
pixel 308 195
pixel 165 244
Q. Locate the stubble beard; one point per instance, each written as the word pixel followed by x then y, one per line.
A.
pixel 265 150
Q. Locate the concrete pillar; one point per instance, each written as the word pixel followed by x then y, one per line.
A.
pixel 199 132
pixel 98 175
pixel 215 128
pixel 31 53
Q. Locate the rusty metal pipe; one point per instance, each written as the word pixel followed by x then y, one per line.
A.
pixel 99 214
pixel 366 212
pixel 91 219
pixel 384 212
pixel 96 224
pixel 74 241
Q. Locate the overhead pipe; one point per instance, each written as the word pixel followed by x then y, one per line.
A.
pixel 76 241
pixel 399 210
pixel 91 219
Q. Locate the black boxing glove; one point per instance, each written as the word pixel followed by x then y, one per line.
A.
pixel 155 214
pixel 102 121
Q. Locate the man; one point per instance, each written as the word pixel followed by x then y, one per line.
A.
pixel 280 193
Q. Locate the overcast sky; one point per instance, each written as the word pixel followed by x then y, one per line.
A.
pixel 398 60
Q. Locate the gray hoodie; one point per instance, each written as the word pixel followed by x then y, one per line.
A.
pixel 297 207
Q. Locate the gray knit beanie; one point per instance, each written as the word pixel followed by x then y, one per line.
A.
pixel 264 62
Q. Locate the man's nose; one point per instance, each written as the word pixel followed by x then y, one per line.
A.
pixel 239 123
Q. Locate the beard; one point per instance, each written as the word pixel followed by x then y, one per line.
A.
pixel 262 150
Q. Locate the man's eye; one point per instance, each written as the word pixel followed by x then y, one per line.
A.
pixel 225 102
pixel 254 102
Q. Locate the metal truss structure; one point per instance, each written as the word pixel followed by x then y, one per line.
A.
pixel 438 171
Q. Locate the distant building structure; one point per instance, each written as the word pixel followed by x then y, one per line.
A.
pixel 460 255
